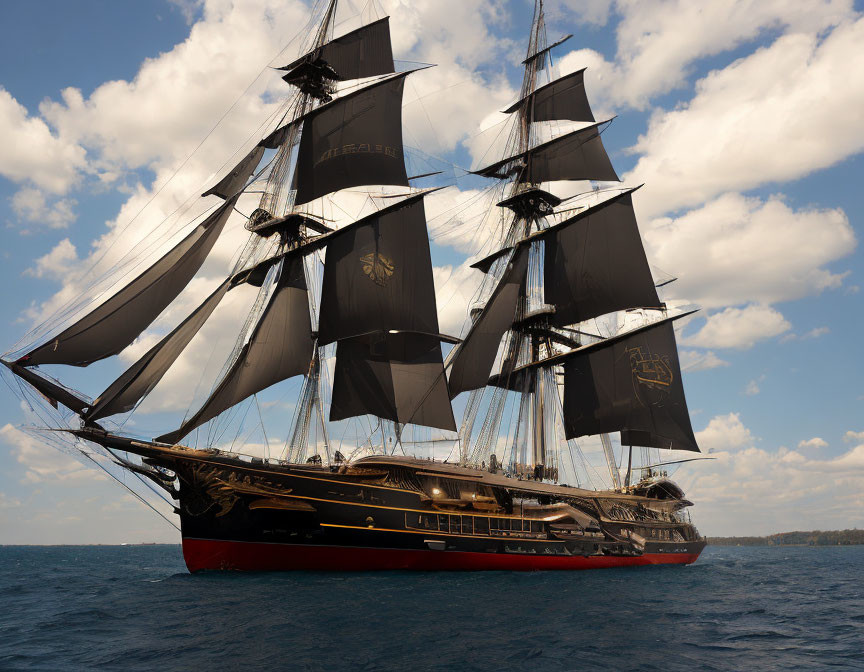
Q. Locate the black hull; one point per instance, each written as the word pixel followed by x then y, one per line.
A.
pixel 379 514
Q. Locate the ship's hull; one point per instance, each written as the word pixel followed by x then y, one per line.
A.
pixel 398 513
pixel 218 554
pixel 250 517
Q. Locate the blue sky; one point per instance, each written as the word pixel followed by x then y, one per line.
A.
pixel 743 118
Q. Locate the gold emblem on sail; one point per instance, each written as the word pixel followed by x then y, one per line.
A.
pixel 651 370
pixel 377 267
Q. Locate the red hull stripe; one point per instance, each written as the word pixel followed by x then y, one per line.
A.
pixel 252 556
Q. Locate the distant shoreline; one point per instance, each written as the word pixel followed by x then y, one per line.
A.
pixel 852 537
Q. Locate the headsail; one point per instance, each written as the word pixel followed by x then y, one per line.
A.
pixel 236 179
pixel 52 391
pixel 140 378
pixel 118 321
pixel 476 354
pixel 280 347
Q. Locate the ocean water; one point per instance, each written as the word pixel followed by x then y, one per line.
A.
pixel 136 608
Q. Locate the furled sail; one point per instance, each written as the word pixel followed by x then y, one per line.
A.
pixel 595 264
pixel 629 383
pixel 398 377
pixel 140 378
pixel 352 141
pixel 280 347
pixel 565 98
pixel 578 155
pixel 365 52
pixel 117 322
pixel 476 354
pixel 52 391
pixel 378 276
pixel 235 180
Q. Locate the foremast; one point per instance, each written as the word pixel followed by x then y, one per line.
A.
pixel 374 303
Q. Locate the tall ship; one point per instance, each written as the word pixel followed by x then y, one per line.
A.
pixel 348 313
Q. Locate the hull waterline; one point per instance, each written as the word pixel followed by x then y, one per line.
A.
pixel 214 554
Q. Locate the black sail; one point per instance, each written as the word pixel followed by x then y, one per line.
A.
pixel 280 347
pixel 595 264
pixel 398 377
pixel 53 392
pixel 562 99
pixel 632 384
pixel 365 52
pixel 355 140
pixel 116 323
pixel 378 276
pixel 235 180
pixel 476 354
pixel 578 155
pixel 140 378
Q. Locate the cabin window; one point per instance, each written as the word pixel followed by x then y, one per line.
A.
pixel 481 526
pixel 467 525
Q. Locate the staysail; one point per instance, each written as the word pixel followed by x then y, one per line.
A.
pixel 279 348
pixel 476 354
pixel 140 378
pixel 118 321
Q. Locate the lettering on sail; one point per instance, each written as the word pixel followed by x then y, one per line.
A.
pixel 362 148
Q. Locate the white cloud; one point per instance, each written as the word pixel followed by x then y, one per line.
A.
pixel 795 94
pixel 853 437
pixel 42 463
pixel 816 333
pixel 58 263
pixel 659 40
pixel 31 206
pixel 736 250
pixel 7 502
pixel 755 491
pixel 455 289
pixel 724 432
pixel 813 444
pixel 695 360
pixel 32 154
pixel 793 491
pixel 752 388
pixel 739 327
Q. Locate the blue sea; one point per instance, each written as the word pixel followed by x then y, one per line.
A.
pixel 136 608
